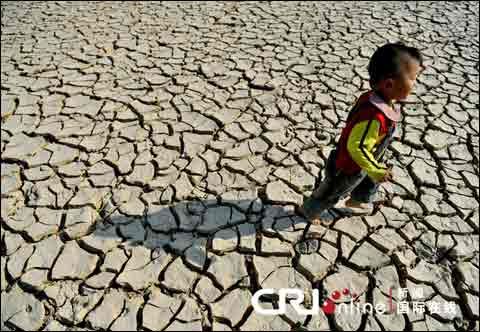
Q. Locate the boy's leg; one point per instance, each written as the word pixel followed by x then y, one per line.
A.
pixel 365 191
pixel 318 201
pixel 329 192
pixel 329 170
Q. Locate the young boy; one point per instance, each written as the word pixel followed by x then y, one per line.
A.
pixel 354 168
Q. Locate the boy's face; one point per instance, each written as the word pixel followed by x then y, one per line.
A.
pixel 402 85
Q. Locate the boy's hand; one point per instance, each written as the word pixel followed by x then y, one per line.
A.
pixel 388 175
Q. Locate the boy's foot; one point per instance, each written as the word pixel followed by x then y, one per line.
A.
pixel 355 208
pixel 357 205
pixel 324 219
pixel 316 221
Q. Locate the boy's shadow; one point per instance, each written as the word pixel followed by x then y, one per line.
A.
pixel 201 230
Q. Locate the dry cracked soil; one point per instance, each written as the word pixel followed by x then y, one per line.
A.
pixel 154 156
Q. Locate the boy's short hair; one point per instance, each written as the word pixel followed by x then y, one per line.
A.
pixel 387 60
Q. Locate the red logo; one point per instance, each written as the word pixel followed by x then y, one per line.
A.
pixel 329 304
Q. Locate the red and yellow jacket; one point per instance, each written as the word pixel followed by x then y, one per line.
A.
pixel 367 126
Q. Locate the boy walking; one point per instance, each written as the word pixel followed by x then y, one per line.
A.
pixel 354 167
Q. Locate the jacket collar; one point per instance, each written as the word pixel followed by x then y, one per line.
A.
pixel 391 112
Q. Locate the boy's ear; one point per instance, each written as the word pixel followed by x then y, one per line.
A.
pixel 388 83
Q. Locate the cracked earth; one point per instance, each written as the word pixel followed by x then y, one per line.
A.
pixel 154 156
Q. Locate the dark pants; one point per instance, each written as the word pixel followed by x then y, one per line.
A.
pixel 336 186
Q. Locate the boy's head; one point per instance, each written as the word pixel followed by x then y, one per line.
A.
pixel 393 70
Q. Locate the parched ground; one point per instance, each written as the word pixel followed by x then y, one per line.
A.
pixel 154 155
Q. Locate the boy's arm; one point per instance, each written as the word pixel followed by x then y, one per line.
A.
pixel 360 144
